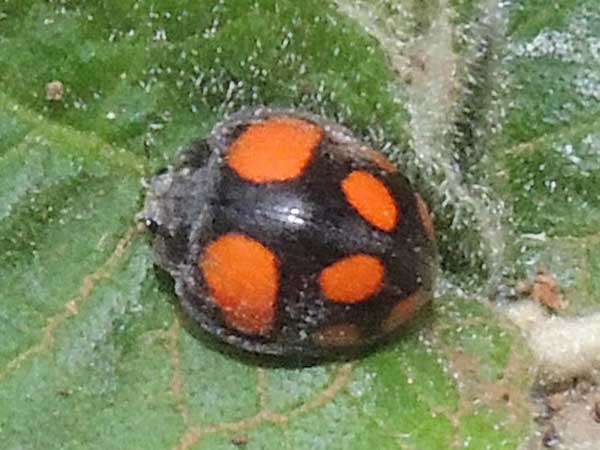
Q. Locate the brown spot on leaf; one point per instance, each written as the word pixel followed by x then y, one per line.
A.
pixel 550 439
pixel 55 91
pixel 555 402
pixel 544 289
pixel 240 440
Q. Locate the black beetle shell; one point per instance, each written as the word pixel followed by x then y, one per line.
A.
pixel 307 222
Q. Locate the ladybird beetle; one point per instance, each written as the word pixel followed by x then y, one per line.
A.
pixel 287 235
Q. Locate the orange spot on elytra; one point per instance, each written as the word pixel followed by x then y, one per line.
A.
pixel 352 279
pixel 425 217
pixel 275 150
pixel 381 160
pixel 404 310
pixel 243 279
pixel 340 335
pixel 372 199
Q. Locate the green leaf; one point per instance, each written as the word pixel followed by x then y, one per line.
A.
pixel 93 352
pixel 545 161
